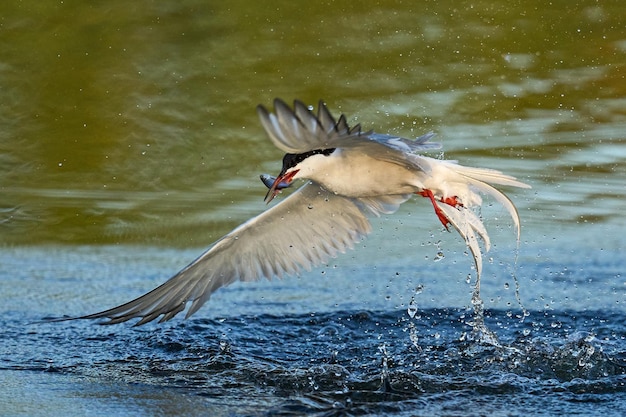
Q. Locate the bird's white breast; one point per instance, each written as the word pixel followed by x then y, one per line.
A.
pixel 352 173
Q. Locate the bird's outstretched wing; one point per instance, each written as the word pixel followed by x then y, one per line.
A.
pixel 299 130
pixel 304 230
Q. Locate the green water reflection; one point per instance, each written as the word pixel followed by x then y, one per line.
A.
pixel 134 122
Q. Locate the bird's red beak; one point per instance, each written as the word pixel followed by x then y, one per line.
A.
pixel 282 181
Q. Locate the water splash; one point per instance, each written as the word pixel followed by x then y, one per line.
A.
pixel 480 332
pixel 385 382
pixel 518 298
pixel 412 308
pixel 412 312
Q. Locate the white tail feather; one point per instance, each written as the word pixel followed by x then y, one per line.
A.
pixel 465 221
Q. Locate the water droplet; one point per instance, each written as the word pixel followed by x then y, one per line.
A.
pixel 224 346
pixel 413 336
pixel 412 309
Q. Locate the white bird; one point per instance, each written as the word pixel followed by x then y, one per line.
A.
pixel 349 175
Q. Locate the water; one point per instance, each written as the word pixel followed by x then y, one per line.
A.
pixel 129 142
pixel 329 364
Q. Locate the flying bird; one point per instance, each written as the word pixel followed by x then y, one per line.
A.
pixel 348 174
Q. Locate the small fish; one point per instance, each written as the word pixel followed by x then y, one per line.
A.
pixel 268 180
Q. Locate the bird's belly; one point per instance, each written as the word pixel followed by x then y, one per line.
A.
pixel 369 178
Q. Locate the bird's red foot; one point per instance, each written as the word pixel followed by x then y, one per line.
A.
pixel 451 201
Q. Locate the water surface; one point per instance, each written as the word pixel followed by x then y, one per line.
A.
pixel 129 142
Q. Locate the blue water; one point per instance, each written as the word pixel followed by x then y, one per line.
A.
pixel 336 341
pixel 342 363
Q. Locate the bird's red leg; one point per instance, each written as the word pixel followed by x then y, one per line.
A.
pixel 451 201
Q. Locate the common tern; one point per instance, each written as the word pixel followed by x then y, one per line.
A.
pixel 348 175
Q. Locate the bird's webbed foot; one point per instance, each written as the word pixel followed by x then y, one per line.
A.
pixel 451 201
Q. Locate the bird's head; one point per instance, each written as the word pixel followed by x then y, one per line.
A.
pixel 295 165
